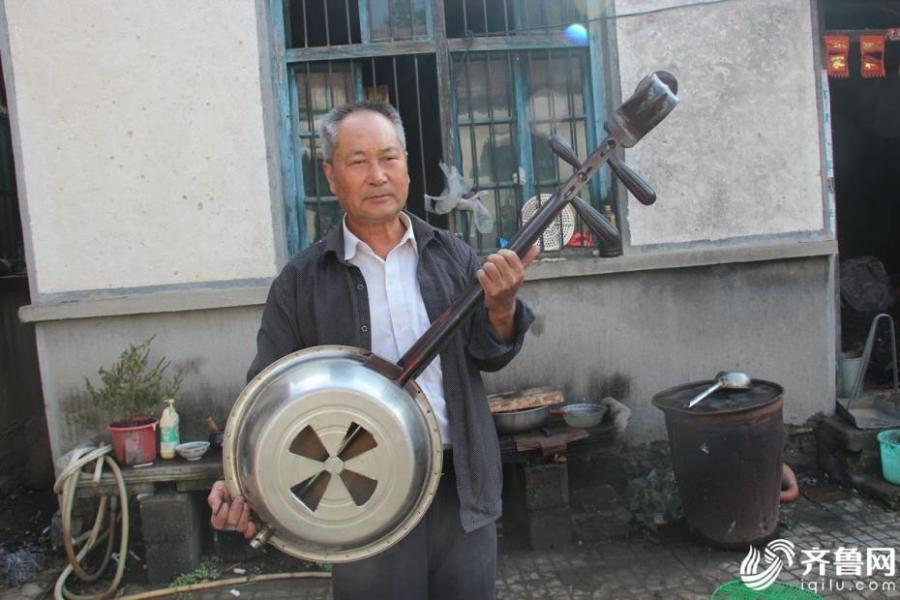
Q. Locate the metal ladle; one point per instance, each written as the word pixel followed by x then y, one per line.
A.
pixel 730 380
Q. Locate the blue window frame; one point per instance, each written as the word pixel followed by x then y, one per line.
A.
pixel 480 85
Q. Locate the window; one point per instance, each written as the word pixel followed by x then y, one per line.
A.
pixel 480 87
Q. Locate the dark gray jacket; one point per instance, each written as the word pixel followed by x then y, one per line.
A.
pixel 320 299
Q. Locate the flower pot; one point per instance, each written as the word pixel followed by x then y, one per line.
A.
pixel 134 441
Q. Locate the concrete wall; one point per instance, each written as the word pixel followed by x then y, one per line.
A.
pixel 214 347
pixel 632 335
pixel 736 167
pixel 142 157
pixel 740 156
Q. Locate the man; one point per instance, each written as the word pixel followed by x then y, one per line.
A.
pixel 377 282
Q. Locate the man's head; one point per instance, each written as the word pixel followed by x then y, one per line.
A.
pixel 364 147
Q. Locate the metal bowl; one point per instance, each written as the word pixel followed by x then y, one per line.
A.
pixel 583 415
pixel 337 461
pixel 517 421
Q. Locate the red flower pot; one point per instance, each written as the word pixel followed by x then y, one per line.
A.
pixel 134 441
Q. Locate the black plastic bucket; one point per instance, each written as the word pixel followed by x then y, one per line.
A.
pixel 727 454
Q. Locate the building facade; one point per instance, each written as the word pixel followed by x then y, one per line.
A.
pixel 167 168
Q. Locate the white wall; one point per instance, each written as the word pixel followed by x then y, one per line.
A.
pixel 740 155
pixel 143 158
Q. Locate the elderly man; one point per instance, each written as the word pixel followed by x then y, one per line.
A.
pixel 377 282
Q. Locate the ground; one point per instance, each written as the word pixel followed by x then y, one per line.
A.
pixel 672 565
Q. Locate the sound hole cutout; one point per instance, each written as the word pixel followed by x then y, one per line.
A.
pixel 357 441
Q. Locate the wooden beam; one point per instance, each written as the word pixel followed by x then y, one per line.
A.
pixel 512 42
pixel 347 51
pixel 854 34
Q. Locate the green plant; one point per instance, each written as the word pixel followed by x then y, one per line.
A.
pixel 210 569
pixel 131 388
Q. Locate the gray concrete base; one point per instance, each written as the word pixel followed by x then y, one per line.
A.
pixel 173 526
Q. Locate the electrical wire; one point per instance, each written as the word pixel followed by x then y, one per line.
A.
pixel 639 13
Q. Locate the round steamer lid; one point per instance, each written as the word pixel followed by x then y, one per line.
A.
pixel 337 461
pixel 760 393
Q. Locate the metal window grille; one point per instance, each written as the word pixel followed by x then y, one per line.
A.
pixel 485 104
pixel 471 18
pixel 408 83
pixel 508 105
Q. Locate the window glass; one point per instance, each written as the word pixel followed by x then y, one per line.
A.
pixel 397 19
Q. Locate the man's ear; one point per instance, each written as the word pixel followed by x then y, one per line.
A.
pixel 328 170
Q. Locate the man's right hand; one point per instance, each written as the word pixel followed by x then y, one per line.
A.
pixel 230 513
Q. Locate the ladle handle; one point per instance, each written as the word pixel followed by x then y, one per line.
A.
pixel 702 395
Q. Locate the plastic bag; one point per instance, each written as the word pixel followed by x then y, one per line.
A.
pixel 456 195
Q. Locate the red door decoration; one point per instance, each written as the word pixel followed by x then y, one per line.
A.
pixel 872 50
pixel 837 50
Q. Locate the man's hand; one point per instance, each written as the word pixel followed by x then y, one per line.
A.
pixel 228 512
pixel 500 276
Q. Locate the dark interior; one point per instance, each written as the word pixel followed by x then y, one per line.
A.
pixel 865 115
pixel 423 132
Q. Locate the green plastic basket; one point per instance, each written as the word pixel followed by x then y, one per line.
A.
pixel 736 590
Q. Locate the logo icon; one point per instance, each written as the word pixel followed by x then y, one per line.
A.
pixel 777 553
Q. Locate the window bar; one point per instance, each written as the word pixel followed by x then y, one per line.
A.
pixel 327 26
pixel 396 87
pixel 534 159
pixel 505 18
pixel 295 185
pixel 374 75
pixel 544 16
pixel 553 129
pixel 412 20
pixel 484 14
pixel 390 20
pixel 573 129
pixel 329 86
pixel 421 138
pixel 356 74
pixel 490 104
pixel 312 150
pixel 472 145
pixel 305 28
pixel 349 28
pixel 465 21
pixel 513 129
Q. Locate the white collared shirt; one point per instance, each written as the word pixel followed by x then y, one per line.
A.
pixel 397 310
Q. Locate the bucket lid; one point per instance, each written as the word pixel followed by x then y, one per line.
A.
pixel 760 393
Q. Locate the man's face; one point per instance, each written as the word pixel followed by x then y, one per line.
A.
pixel 368 171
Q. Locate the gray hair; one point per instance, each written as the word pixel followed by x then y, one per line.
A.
pixel 328 129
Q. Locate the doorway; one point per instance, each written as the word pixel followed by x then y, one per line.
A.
pixel 865 118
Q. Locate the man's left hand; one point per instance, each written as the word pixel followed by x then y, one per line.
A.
pixel 501 276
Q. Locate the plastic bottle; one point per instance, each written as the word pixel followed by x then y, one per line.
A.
pixel 168 430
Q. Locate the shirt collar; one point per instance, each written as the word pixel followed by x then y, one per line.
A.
pixel 352 242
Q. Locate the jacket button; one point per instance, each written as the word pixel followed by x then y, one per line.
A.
pixel 360 286
pixel 364 328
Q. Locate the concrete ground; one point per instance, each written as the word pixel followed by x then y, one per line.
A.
pixel 839 522
pixel 677 568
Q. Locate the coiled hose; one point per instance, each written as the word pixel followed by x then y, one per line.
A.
pixel 117 506
pixel 66 484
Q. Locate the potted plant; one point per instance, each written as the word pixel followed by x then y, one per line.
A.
pixel 129 393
